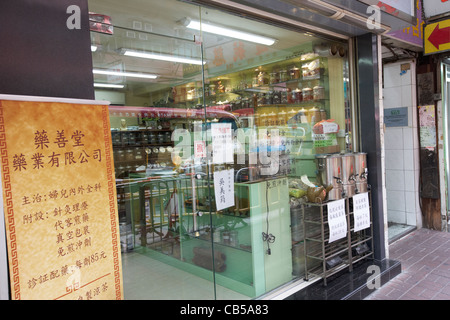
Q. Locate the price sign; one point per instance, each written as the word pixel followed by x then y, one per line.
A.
pixel 337 220
pixel 361 211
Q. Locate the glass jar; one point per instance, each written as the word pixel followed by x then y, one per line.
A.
pixel 131 139
pixel 307 94
pixel 144 137
pixel 323 114
pixel 283 77
pixel 276 97
pixel 125 138
pixel 120 155
pixel 262 78
pixel 272 119
pixel 152 138
pixel 129 154
pixel 295 73
pixel 297 95
pixel 261 98
pixel 284 97
pixel 139 155
pixel 263 120
pixel 273 78
pixel 314 115
pixel 116 138
pixel 160 137
pixel 318 93
pixel 167 137
pixel 282 117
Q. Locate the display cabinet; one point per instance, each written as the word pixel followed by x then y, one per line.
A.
pixel 200 240
pixel 139 149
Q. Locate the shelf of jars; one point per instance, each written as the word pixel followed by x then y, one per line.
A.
pixel 241 90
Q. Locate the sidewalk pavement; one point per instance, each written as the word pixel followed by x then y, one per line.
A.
pixel 424 255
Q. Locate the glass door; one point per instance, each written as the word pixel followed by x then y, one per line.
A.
pixel 216 122
pixel 151 72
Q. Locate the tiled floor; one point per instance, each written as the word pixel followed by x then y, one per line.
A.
pixel 425 259
pixel 149 279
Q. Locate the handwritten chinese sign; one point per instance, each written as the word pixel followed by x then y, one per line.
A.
pixel 361 211
pixel 222 143
pixel 224 189
pixel 337 220
pixel 60 201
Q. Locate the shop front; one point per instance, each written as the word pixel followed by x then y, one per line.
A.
pixel 226 132
pixel 245 146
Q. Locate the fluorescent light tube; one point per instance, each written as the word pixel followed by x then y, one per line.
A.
pixel 125 74
pixel 206 27
pixel 108 85
pixel 164 57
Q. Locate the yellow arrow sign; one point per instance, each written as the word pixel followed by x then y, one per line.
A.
pixel 436 37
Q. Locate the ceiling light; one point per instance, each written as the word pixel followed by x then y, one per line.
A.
pixel 335 12
pixel 108 85
pixel 125 74
pixel 206 27
pixel 164 57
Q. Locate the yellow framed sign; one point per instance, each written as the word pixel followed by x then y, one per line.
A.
pixel 59 200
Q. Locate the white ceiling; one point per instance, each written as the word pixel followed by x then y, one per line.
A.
pixel 165 34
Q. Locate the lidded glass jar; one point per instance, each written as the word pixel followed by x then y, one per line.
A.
pixel 318 93
pixel 283 77
pixel 307 94
pixel 294 73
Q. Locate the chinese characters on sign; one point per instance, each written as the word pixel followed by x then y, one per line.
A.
pixel 199 149
pixel 224 189
pixel 39 160
pixel 60 201
pixel 222 143
pixel 337 220
pixel 361 211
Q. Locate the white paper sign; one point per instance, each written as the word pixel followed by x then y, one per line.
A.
pixel 224 189
pixel 337 221
pixel 222 143
pixel 361 211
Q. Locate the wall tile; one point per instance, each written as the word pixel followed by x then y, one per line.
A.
pixel 392 75
pixel 406 96
pixel 394 159
pixel 392 97
pixel 393 138
pixel 408 138
pixel 409 179
pixel 408 159
pixel 395 180
pixel 396 200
